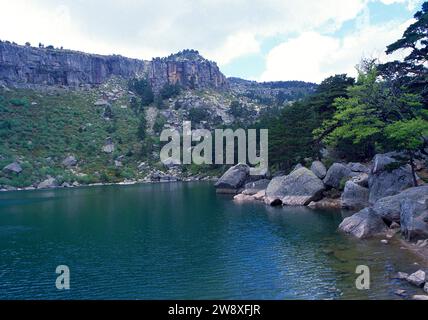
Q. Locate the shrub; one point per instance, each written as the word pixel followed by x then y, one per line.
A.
pixel 18 102
pixel 198 115
pixel 143 88
pixel 170 90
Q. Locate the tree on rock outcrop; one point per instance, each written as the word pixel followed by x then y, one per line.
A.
pixel 408 135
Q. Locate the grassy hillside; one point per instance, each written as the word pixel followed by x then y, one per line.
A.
pixel 41 129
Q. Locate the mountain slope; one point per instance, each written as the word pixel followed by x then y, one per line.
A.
pixel 104 125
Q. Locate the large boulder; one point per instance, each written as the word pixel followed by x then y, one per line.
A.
pixel 298 188
pixel 413 219
pixel 358 167
pixel 387 177
pixel 389 208
pixel 319 169
pixel 70 161
pixel 336 173
pixel 13 167
pixel 417 278
pixel 363 224
pixel 109 146
pixel 234 178
pixel 48 183
pixel 355 196
pixel 382 161
pixel 252 188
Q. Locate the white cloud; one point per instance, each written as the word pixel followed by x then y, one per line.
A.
pixel 410 4
pixel 222 30
pixel 313 57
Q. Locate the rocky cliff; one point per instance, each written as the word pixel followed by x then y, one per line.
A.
pixel 188 68
pixel 26 66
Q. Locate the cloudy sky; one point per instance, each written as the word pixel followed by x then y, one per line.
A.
pixel 255 39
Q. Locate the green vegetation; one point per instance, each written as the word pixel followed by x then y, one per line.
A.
pixel 197 115
pixel 385 110
pixel 170 90
pixel 40 130
pixel 143 88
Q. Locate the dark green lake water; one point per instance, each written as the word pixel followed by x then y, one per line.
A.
pixel 182 241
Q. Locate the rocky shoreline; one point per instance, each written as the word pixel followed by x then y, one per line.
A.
pixel 381 193
pixel 46 185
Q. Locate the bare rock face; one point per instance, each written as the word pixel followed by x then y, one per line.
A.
pixel 29 67
pixel 363 224
pixel 298 188
pixel 187 68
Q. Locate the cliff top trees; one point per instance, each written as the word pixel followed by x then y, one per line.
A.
pixel 412 73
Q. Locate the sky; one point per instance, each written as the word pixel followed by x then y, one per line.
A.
pixel 263 40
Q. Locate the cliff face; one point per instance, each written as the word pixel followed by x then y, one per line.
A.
pixel 25 66
pixel 187 68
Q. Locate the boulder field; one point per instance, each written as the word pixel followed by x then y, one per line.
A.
pixel 381 193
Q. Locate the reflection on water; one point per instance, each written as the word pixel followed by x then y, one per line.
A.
pixel 182 241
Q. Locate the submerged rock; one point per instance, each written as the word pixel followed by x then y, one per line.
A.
pixel 363 224
pixel 326 203
pixel 400 292
pixel 243 197
pixel 402 275
pixel 298 188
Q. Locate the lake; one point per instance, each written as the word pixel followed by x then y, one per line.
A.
pixel 182 241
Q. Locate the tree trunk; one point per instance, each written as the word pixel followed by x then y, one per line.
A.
pixel 412 165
